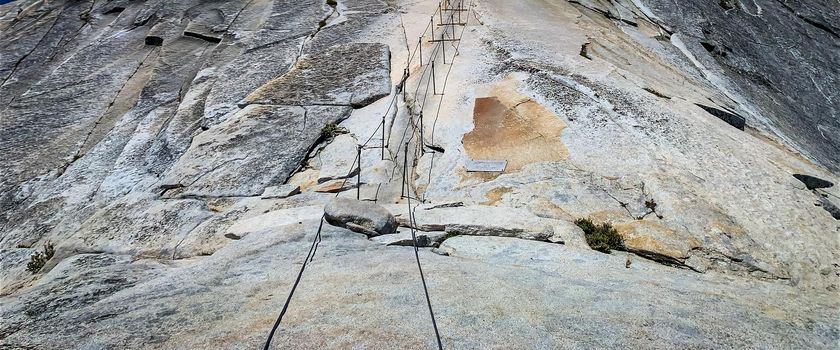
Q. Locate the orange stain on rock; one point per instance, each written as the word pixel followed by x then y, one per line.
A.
pixel 515 128
pixel 494 196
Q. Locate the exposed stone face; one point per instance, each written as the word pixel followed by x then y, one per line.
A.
pixel 111 299
pixel 338 160
pixel 258 147
pixel 421 239
pixel 351 75
pixel 786 74
pixel 479 220
pixel 176 155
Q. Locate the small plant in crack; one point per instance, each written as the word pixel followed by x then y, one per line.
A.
pixel 650 204
pixel 84 16
pixel 601 237
pixel 331 130
pixel 39 259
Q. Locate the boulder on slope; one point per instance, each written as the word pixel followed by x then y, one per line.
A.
pixel 364 217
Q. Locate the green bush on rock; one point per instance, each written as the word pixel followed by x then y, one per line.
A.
pixel 603 238
pixel 39 259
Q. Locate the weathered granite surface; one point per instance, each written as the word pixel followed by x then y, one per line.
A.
pixel 490 292
pixel 176 155
pixel 782 56
pixel 348 75
pixel 258 147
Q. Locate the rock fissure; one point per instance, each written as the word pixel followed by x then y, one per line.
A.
pixel 25 56
pixel 810 21
pixel 80 151
pixel 206 38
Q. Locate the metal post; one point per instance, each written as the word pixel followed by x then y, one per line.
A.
pixel 434 89
pixel 443 45
pixel 452 20
pixel 440 11
pixel 420 49
pixel 383 133
pixel 432 25
pixel 405 170
pixel 359 174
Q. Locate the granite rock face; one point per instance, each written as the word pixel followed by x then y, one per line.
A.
pixel 114 302
pixel 93 109
pixel 350 75
pixel 181 155
pixel 788 75
pixel 256 148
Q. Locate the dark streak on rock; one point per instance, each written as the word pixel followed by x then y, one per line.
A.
pixel 203 37
pixel 729 117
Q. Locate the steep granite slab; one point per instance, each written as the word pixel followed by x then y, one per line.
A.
pixel 352 74
pixel 781 58
pixel 258 147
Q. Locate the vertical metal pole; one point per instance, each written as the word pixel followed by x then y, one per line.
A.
pixel 432 25
pixel 420 49
pixel 440 11
pixel 434 89
pixel 405 170
pixel 443 44
pixel 359 174
pixel 452 20
pixel 383 134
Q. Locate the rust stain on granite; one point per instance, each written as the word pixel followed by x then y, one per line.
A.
pixel 510 126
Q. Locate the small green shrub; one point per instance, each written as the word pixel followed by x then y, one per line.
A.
pixel 650 204
pixel 39 259
pixel 603 238
pixel 85 16
pixel 330 130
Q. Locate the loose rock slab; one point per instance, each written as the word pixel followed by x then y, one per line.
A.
pixel 363 217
